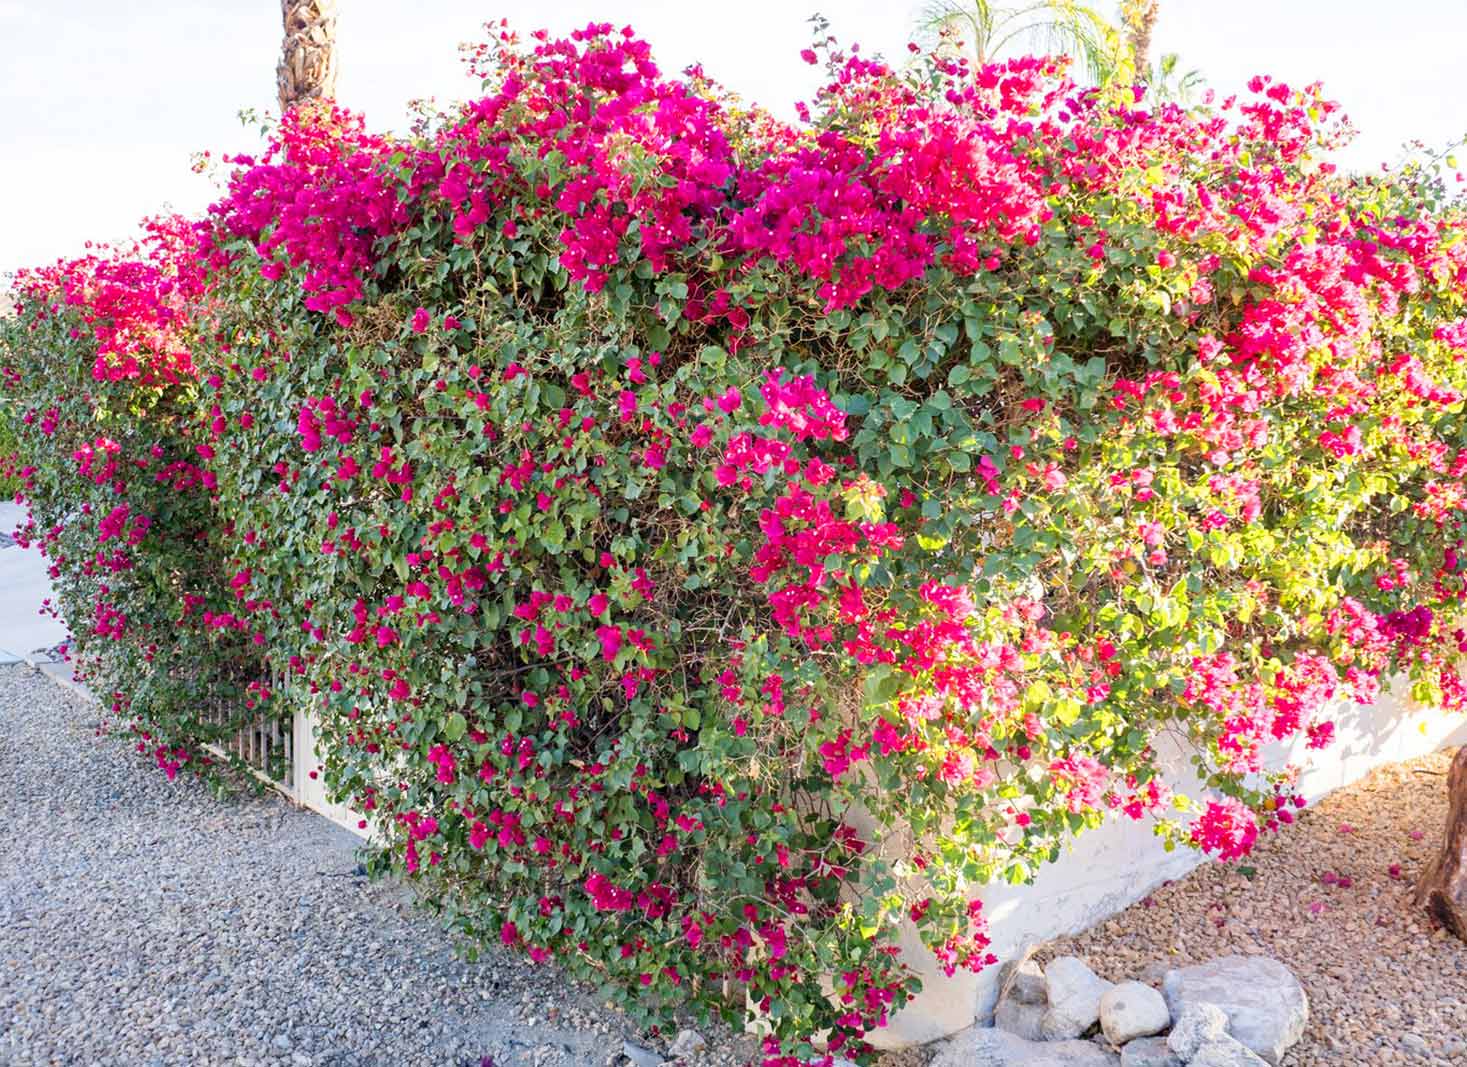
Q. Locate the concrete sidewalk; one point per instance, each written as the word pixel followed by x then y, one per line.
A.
pixel 25 634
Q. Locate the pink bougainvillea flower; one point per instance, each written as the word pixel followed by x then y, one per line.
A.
pixel 611 639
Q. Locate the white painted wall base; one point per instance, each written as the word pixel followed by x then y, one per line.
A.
pixel 1111 868
pixel 310 791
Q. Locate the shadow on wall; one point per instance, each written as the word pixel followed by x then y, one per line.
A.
pixel 1112 868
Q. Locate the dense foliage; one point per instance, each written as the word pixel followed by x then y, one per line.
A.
pixel 102 391
pixel 709 544
pixel 10 480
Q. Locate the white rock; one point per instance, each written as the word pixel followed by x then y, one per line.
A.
pixel 1131 1010
pixel 984 1047
pixel 1074 992
pixel 1196 1025
pixel 687 1043
pixel 1148 1052
pixel 1025 1020
pixel 1266 1006
pixel 1226 1052
pixel 640 1057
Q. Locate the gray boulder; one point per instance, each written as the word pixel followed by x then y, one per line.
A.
pixel 1023 982
pixel 983 1047
pixel 1025 1020
pixel 1074 993
pixel 1131 1010
pixel 1148 1052
pixel 1226 1052
pixel 1197 1024
pixel 1266 1006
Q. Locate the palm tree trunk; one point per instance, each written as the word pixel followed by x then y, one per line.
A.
pixel 1442 888
pixel 307 69
pixel 1140 19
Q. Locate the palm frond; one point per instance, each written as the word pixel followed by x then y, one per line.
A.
pixel 989 32
pixel 1170 84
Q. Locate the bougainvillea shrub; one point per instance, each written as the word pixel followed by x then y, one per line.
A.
pixel 10 480
pixel 101 394
pixel 709 544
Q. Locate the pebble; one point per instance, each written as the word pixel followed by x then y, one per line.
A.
pixel 687 1043
pixel 641 1057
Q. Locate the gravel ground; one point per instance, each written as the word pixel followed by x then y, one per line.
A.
pixel 1331 899
pixel 148 924
pixel 145 923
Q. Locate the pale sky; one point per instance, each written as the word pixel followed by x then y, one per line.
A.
pixel 103 101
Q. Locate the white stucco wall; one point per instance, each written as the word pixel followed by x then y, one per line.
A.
pixel 1113 867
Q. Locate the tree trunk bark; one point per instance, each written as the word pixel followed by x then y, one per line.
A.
pixel 1442 889
pixel 307 69
pixel 1140 19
